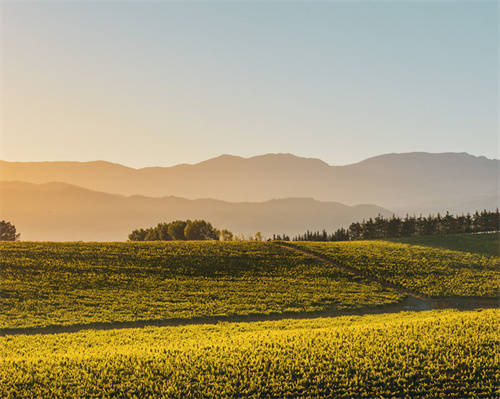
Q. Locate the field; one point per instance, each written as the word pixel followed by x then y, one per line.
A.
pixel 45 284
pixel 201 289
pixel 487 243
pixel 427 354
pixel 434 272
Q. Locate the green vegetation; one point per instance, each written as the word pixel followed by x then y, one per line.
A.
pixel 430 271
pixel 425 355
pixel 410 226
pixel 485 243
pixel 67 283
pixel 180 230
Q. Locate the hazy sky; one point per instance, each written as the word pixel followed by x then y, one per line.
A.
pixel 160 83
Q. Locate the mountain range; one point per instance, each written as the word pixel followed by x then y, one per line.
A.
pixel 62 212
pixel 272 193
pixel 408 180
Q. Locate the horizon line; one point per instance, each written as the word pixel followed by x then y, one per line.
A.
pixel 246 158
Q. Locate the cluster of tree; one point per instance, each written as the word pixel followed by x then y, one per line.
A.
pixel 393 227
pixel 181 230
pixel 281 237
pixel 8 231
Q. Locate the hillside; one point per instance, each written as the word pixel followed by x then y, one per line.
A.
pixel 175 281
pixel 172 281
pixel 434 272
pixel 114 319
pixel 416 355
pixel 390 355
pixel 62 212
pixel 484 243
pixel 409 182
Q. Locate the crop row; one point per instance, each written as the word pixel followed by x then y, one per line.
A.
pixel 427 354
pixel 68 283
pixel 431 271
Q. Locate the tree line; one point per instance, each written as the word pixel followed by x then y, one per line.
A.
pixel 181 230
pixel 393 227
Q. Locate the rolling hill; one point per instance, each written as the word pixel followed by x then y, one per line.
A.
pixel 63 212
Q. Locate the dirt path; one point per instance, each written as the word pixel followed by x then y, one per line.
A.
pixel 414 299
pixel 384 283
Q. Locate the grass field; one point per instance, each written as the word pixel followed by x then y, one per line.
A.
pixel 67 283
pixel 434 272
pixel 488 244
pixel 427 354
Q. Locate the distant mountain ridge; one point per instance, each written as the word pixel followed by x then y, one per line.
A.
pixel 63 212
pixel 405 182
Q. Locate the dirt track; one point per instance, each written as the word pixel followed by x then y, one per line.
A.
pixel 383 283
pixel 418 301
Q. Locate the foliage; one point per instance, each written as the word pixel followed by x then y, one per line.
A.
pixel 68 283
pixel 176 230
pixel 430 271
pixel 226 235
pixel 8 231
pixel 483 243
pixel 179 230
pixel 425 355
pixel 409 226
pixel 200 230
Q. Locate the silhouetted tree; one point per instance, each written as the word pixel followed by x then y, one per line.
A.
pixel 381 227
pixel 137 235
pixel 226 235
pixel 152 235
pixel 8 231
pixel 258 236
pixel 200 230
pixel 181 230
pixel 176 229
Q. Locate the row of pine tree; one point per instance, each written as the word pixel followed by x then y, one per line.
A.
pixel 380 227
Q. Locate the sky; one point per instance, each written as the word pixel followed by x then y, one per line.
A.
pixel 162 83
